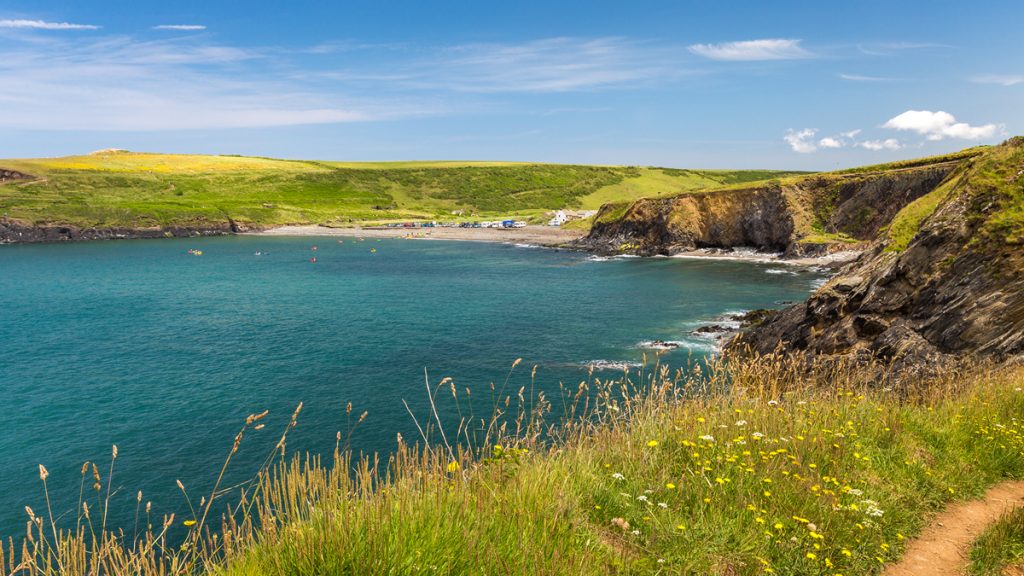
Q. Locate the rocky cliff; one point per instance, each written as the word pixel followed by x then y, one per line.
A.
pixel 946 278
pixel 798 216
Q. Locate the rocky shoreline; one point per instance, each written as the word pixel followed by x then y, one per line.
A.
pixel 13 232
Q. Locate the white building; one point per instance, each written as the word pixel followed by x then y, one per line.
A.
pixel 560 218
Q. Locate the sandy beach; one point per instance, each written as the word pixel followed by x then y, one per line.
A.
pixel 539 235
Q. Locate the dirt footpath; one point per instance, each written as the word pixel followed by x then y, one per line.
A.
pixel 943 547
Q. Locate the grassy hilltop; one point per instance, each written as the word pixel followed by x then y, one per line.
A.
pixel 128 189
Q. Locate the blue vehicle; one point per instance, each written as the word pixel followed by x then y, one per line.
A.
pixel 508 223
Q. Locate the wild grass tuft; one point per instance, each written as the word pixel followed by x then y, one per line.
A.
pixel 1000 547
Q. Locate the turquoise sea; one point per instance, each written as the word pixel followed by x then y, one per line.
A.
pixel 164 353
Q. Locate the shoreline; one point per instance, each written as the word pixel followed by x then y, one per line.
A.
pixel 835 259
pixel 547 236
pixel 533 235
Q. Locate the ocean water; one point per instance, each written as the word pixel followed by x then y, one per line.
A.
pixel 164 353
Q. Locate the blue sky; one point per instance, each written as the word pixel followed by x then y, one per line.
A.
pixel 812 85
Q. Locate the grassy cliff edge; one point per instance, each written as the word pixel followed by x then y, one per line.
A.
pixel 768 469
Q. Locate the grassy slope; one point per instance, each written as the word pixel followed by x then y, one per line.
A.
pixel 785 473
pixel 133 189
pixel 824 482
pixel 993 179
pixel 655 182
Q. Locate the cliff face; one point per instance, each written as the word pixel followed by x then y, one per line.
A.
pixel 803 215
pixel 954 286
pixel 749 217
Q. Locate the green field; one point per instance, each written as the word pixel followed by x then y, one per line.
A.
pixel 119 188
pixel 655 182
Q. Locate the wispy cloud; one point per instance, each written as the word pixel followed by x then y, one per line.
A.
pixel 44 25
pixel 123 84
pixel 860 78
pixel 940 125
pixel 876 145
pixel 753 50
pixel 191 82
pixel 890 48
pixel 549 65
pixel 183 27
pixel 1000 79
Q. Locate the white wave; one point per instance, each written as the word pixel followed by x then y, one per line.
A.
pixel 620 365
pixel 780 271
pixel 518 245
pixel 744 254
pixel 661 344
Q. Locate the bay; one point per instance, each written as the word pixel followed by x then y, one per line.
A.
pixel 164 352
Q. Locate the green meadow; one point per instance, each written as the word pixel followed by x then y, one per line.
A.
pixel 118 188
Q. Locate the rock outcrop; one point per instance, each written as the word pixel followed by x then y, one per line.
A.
pixel 12 231
pixel 8 175
pixel 956 288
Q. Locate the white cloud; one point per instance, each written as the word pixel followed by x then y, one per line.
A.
pixel 184 27
pixel 766 49
pixel 859 78
pixel 887 144
pixel 1001 79
pixel 43 25
pixel 940 125
pixel 801 141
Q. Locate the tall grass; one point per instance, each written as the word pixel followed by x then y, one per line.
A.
pixel 1000 547
pixel 748 467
